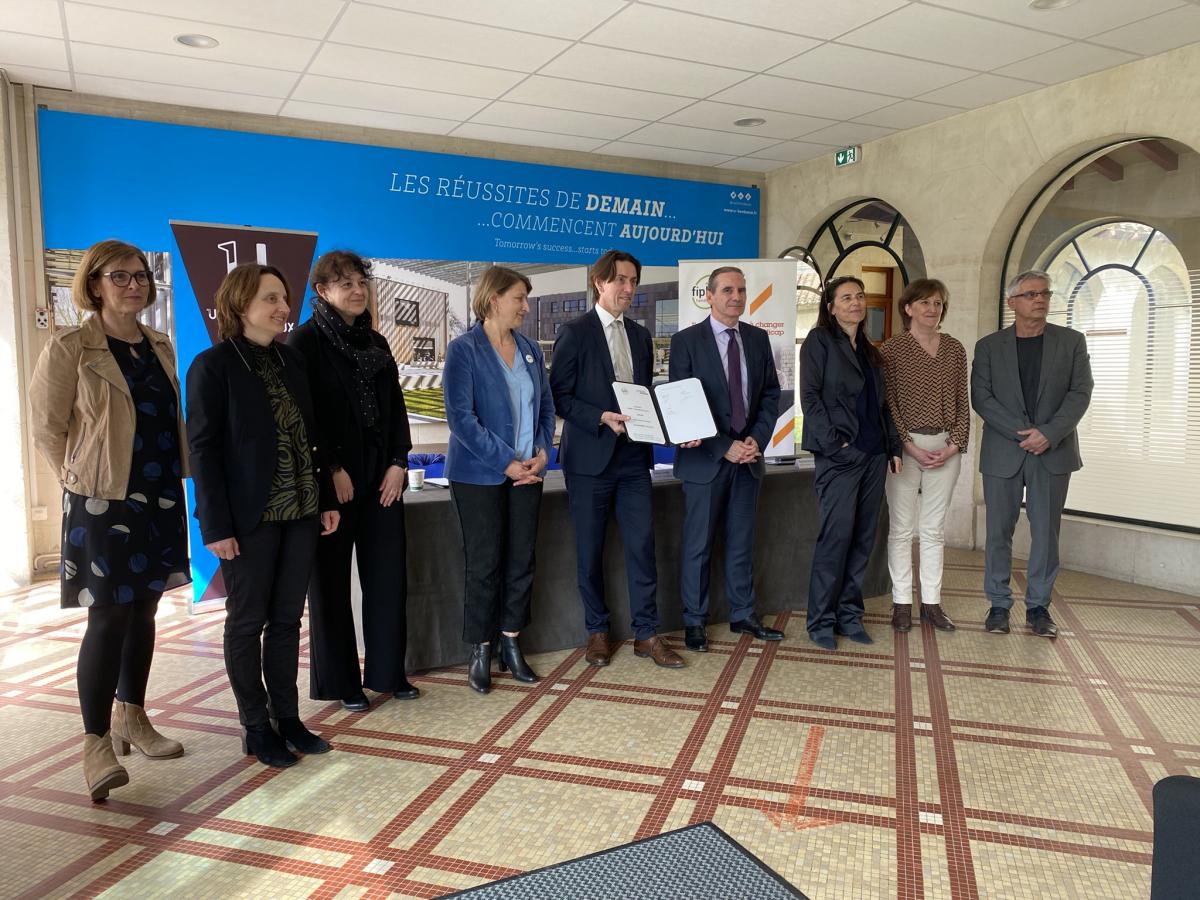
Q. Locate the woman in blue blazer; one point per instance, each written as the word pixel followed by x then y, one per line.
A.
pixel 849 431
pixel 501 416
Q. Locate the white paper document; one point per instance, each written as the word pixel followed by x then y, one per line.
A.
pixel 685 410
pixel 637 403
pixel 681 404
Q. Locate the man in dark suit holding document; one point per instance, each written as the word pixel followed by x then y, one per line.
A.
pixel 722 474
pixel 605 471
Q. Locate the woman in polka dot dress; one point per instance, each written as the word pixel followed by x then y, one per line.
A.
pixel 106 415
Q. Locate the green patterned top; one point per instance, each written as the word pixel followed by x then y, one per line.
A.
pixel 293 493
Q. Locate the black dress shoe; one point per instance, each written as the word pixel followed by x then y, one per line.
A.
pixel 753 625
pixel 406 691
pixel 1039 622
pixel 824 641
pixel 996 621
pixel 859 637
pixel 695 638
pixel 267 746
pixel 300 738
pixel 357 703
pixel 510 658
pixel 479 669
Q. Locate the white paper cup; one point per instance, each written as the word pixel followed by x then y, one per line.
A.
pixel 416 479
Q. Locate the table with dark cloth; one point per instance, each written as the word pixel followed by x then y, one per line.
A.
pixel 787 531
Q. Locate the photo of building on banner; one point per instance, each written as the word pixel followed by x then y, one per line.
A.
pixel 771 306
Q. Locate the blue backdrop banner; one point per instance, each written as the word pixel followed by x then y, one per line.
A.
pixel 103 175
pixel 208 198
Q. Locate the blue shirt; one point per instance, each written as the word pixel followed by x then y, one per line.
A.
pixel 520 395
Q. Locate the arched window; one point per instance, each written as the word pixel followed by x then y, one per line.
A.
pixel 871 240
pixel 1118 236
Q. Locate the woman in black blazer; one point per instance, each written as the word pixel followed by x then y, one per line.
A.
pixel 849 431
pixel 363 426
pixel 261 497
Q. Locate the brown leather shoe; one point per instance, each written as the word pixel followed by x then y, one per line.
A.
pixel 933 613
pixel 659 651
pixel 599 650
pixel 901 617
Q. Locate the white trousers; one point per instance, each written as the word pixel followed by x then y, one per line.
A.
pixel 917 502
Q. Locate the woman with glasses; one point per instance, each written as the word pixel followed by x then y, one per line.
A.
pixel 501 416
pixel 106 415
pixel 261 498
pixel 849 431
pixel 363 426
pixel 926 376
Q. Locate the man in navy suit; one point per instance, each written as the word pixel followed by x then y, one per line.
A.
pixel 722 474
pixel 606 472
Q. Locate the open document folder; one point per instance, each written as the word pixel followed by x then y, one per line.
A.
pixel 675 413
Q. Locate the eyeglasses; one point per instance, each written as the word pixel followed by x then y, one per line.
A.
pixel 1032 295
pixel 120 278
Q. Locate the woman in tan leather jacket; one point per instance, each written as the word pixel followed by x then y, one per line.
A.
pixel 107 417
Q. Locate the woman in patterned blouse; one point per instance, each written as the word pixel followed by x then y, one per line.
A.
pixel 261 498
pixel 926 376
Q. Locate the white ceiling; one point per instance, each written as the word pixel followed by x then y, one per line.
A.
pixel 652 79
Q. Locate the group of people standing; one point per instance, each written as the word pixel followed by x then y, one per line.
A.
pixel 501 404
pixel 298 452
pixel 904 407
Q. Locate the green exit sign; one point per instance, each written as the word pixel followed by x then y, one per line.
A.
pixel 847 156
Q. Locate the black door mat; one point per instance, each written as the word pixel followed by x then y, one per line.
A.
pixel 699 862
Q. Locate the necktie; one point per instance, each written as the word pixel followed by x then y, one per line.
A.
pixel 619 348
pixel 737 403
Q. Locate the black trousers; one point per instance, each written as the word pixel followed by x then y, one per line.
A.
pixel 622 489
pixel 499 528
pixel 114 658
pixel 265 586
pixel 849 493
pixel 376 534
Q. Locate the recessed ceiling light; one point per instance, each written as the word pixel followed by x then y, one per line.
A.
pixel 199 41
pixel 1051 4
pixel 751 122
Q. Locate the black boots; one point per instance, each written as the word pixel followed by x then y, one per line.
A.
pixel 479 670
pixel 263 742
pixel 512 659
pixel 300 738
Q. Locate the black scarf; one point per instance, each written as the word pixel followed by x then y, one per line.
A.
pixel 354 342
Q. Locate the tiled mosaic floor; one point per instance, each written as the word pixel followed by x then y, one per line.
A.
pixel 928 765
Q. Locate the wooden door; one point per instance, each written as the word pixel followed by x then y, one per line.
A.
pixel 880 282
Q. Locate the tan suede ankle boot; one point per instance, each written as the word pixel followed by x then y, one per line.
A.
pixel 131 726
pixel 100 767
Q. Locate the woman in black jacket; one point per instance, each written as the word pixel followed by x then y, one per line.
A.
pixel 849 431
pixel 363 426
pixel 261 498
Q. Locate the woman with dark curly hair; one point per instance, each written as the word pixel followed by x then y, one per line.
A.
pixel 363 426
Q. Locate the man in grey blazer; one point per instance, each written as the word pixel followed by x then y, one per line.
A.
pixel 1031 384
